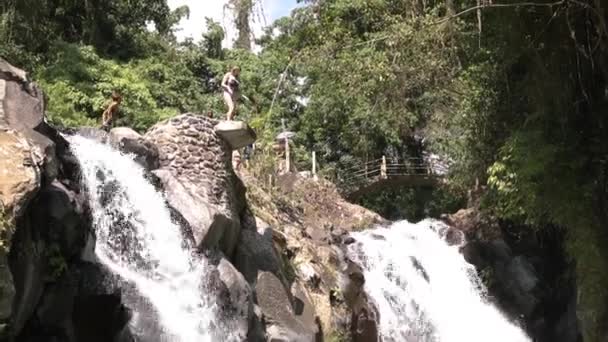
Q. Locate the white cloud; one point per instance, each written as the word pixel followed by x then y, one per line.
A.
pixel 194 26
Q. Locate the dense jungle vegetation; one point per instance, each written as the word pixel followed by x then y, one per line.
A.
pixel 513 93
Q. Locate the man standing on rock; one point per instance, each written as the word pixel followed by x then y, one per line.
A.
pixel 109 115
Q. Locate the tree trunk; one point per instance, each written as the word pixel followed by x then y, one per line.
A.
pixel 449 6
pixel 243 11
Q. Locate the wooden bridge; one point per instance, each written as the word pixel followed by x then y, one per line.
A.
pixel 381 173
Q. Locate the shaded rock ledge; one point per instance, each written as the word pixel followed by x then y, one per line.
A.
pixel 526 270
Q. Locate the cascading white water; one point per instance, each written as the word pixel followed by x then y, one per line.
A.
pixel 137 239
pixel 424 289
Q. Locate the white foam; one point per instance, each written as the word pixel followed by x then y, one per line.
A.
pixel 148 250
pixel 450 307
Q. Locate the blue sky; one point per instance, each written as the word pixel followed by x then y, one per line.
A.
pixel 199 9
pixel 280 8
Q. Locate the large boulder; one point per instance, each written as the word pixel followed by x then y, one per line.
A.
pixel 237 301
pixel 19 180
pixel 196 172
pixel 236 133
pixel 44 230
pixel 128 141
pixel 364 315
pixel 283 324
pixel 20 172
pixel 255 252
pixel 526 270
pixel 99 313
pixel 21 102
pixel 50 233
pixel 208 224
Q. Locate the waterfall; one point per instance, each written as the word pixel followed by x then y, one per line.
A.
pixel 137 239
pixel 424 289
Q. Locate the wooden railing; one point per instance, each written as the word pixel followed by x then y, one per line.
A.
pixel 382 168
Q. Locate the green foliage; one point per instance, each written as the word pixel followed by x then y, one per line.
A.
pixel 588 246
pixel 56 262
pixel 5 230
pixel 79 82
pixel 117 28
pixel 337 336
pixel 213 38
pixel 414 204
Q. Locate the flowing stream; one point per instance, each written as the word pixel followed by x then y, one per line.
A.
pixel 137 239
pixel 424 289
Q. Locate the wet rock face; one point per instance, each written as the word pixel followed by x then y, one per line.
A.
pixel 22 102
pixel 22 169
pixel 364 315
pixel 283 322
pixel 44 228
pixel 196 172
pixel 527 272
pixel 128 141
pixel 255 253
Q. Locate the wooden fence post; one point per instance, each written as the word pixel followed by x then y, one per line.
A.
pixel 383 174
pixel 314 165
pixel 287 156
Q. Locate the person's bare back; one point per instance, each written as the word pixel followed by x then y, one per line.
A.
pixel 111 111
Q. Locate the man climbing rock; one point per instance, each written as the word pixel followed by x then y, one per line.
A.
pixel 247 152
pixel 236 160
pixel 230 85
pixel 109 115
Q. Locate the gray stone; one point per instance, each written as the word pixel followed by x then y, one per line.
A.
pixel 303 307
pixel 282 322
pixel 238 299
pixel 207 223
pixel 22 102
pixel 364 315
pixel 9 71
pixel 29 267
pixel 19 172
pixel 58 214
pixel 93 133
pixel 117 134
pixel 237 133
pixel 523 272
pixel 255 253
pixel 55 308
pixel 128 141
pixel 46 154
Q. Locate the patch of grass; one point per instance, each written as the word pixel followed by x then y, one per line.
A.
pixel 365 223
pixel 288 267
pixel 337 336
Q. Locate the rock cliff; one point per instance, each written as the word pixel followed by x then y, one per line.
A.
pixel 45 281
pixel 527 272
pixel 278 271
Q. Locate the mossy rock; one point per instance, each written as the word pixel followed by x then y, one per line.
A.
pixel 6 230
